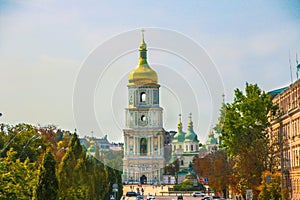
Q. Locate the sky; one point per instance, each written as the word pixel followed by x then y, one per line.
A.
pixel 46 46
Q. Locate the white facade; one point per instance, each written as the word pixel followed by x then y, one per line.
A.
pixel 143 133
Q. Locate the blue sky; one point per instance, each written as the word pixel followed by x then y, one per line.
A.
pixel 43 45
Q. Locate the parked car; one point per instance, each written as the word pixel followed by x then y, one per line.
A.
pixel 198 194
pixel 150 197
pixel 206 198
pixel 180 197
pixel 131 194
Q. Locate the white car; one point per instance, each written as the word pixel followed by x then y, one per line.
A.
pixel 150 197
pixel 198 194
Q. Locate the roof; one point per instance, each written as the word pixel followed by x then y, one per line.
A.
pixel 276 92
pixel 211 139
pixel 179 137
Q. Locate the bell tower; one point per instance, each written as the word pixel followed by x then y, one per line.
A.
pixel 143 133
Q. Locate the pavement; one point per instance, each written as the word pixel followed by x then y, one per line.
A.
pixel 159 192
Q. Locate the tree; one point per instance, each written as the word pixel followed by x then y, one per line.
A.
pixel 17 178
pixel 47 186
pixel 70 171
pixel 173 168
pixel 216 167
pixel 245 136
pixel 97 152
pixel 270 188
pixel 24 139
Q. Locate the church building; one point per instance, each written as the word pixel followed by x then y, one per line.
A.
pixel 143 133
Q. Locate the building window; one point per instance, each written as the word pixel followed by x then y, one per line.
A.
pixel 131 150
pixel 143 146
pixel 143 97
pixel 192 147
pixel 143 118
pixel 186 148
pixel 182 162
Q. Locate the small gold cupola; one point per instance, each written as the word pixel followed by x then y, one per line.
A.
pixel 142 74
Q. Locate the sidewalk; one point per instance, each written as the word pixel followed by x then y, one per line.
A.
pixel 148 189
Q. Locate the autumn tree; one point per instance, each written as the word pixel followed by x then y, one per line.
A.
pixel 215 166
pixel 245 136
pixel 270 188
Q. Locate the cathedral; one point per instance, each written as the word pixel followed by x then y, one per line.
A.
pixel 143 133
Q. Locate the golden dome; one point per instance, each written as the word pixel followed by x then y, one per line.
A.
pixel 142 74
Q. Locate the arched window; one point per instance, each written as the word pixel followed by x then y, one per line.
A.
pixel 143 146
pixel 192 147
pixel 143 97
pixel 182 162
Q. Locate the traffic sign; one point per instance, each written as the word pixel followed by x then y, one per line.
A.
pixel 268 179
pixel 115 186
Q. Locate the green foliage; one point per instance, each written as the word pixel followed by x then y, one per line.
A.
pixel 97 152
pixel 17 178
pixel 24 139
pixel 114 159
pixel 245 137
pixel 270 188
pixel 47 186
pixel 28 172
pixel 71 170
pixel 188 185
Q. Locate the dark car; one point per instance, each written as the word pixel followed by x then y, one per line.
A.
pixel 179 197
pixel 131 194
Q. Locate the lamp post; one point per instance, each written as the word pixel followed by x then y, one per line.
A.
pixel 115 190
pixel 10 141
pixel 34 137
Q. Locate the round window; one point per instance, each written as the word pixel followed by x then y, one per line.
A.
pixel 143 118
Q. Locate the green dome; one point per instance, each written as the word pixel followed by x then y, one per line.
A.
pixel 211 139
pixel 92 148
pixel 180 135
pixel 191 135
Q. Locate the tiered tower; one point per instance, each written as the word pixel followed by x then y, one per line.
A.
pixel 144 134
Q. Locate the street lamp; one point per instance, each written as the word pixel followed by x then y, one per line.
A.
pixel 115 190
pixel 10 141
pixel 34 137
